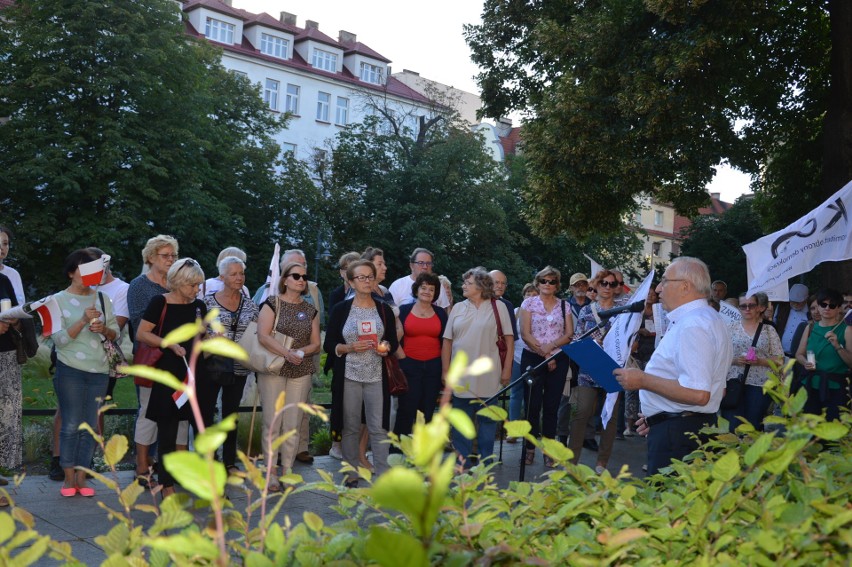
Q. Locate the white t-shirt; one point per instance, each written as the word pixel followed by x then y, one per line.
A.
pixel 401 292
pixel 116 290
pixel 697 352
pixel 17 284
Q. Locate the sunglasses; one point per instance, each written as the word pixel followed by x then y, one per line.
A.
pixel 748 306
pixel 591 290
pixel 187 262
pixel 548 282
pixel 827 305
pixel 609 284
pixel 298 277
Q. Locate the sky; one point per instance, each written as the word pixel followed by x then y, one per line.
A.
pixel 425 37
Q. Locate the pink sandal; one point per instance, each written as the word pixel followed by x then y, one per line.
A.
pixel 68 492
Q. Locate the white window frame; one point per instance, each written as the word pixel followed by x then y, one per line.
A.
pixel 291 100
pixel 271 90
pixel 274 46
pixel 341 113
pixel 372 73
pixel 658 218
pixel 217 30
pixel 324 60
pixel 288 147
pixel 323 106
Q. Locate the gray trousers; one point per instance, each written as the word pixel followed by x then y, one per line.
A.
pixel 370 394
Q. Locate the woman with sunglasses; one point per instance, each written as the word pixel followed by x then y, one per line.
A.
pixel 361 331
pixel 176 308
pixel 587 392
pixel 546 325
pixel 298 320
pixel 826 358
pixel 753 403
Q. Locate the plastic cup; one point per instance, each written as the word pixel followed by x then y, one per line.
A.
pixel 811 357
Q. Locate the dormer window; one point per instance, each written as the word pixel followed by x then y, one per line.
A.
pixel 274 46
pixel 325 60
pixel 217 30
pixel 371 73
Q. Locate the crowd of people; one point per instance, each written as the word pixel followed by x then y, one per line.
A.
pixel 683 362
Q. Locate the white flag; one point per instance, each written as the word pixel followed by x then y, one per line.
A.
pixel 822 235
pixel 620 338
pixel 274 274
pixel 595 267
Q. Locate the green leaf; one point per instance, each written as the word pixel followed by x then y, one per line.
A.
pixel 255 559
pixel 190 544
pixel 115 450
pixel 727 467
pixel 155 374
pixel 215 435
pixel 462 422
pixel 556 450
pixel 313 521
pixel 182 334
pixel 131 494
pixel 7 526
pixel 831 430
pixel 116 539
pixel 495 413
pixel 758 448
pixel 517 428
pixel 403 490
pixel 387 548
pixel 224 347
pixel 456 370
pixel 193 472
pixel 769 541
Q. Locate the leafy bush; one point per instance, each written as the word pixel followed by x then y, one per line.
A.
pixel 751 498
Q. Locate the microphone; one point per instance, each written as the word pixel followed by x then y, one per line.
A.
pixel 635 307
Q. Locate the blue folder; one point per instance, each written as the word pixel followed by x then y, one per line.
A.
pixel 595 362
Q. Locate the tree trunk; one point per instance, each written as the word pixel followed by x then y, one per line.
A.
pixel 837 127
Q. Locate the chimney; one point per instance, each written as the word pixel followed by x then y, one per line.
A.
pixel 504 126
pixel 715 196
pixel 347 37
pixel 310 24
pixel 287 18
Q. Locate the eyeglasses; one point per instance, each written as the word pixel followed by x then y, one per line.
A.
pixel 827 305
pixel 298 277
pixel 364 278
pixel 168 256
pixel 548 282
pixel 748 306
pixel 499 284
pixel 609 284
pixel 423 264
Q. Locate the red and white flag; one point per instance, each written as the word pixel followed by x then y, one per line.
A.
pixel 93 272
pixel 180 396
pixel 50 313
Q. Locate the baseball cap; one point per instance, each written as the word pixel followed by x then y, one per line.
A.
pixel 578 277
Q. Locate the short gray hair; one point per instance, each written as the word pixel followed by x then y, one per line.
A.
pixel 231 251
pixel 227 261
pixel 291 252
pixel 184 271
pixel 482 279
pixel 695 272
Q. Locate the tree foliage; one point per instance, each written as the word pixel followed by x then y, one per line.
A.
pixel 121 127
pixel 718 240
pixel 631 97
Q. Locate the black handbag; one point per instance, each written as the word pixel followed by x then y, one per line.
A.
pixel 220 369
pixel 25 340
pixel 734 388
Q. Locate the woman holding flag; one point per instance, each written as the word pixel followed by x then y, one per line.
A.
pixel 82 371
pixel 824 352
pixel 164 314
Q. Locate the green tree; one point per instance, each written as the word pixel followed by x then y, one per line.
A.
pixel 119 127
pixel 718 240
pixel 633 97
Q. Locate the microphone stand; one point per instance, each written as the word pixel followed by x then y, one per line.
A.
pixel 530 375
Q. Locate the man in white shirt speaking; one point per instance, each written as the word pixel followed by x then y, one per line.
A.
pixel 682 385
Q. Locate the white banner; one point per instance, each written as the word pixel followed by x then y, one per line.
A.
pixel 595 267
pixel 273 275
pixel 822 235
pixel 728 312
pixel 620 338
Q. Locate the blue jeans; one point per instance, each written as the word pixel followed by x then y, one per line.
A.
pixel 78 392
pixel 485 430
pixel 516 394
pixel 424 384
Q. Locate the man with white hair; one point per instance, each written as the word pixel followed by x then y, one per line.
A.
pixel 682 385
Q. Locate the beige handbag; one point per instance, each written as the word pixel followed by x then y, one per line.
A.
pixel 260 359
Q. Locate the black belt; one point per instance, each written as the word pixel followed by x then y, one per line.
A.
pixel 658 418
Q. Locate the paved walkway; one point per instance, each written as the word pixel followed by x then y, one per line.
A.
pixel 79 520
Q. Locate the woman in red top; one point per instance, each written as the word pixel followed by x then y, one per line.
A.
pixel 423 325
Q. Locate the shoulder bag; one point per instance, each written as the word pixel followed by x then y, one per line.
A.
pixel 397 381
pixel 148 355
pixel 25 340
pixel 114 355
pixel 734 388
pixel 502 347
pixel 261 360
